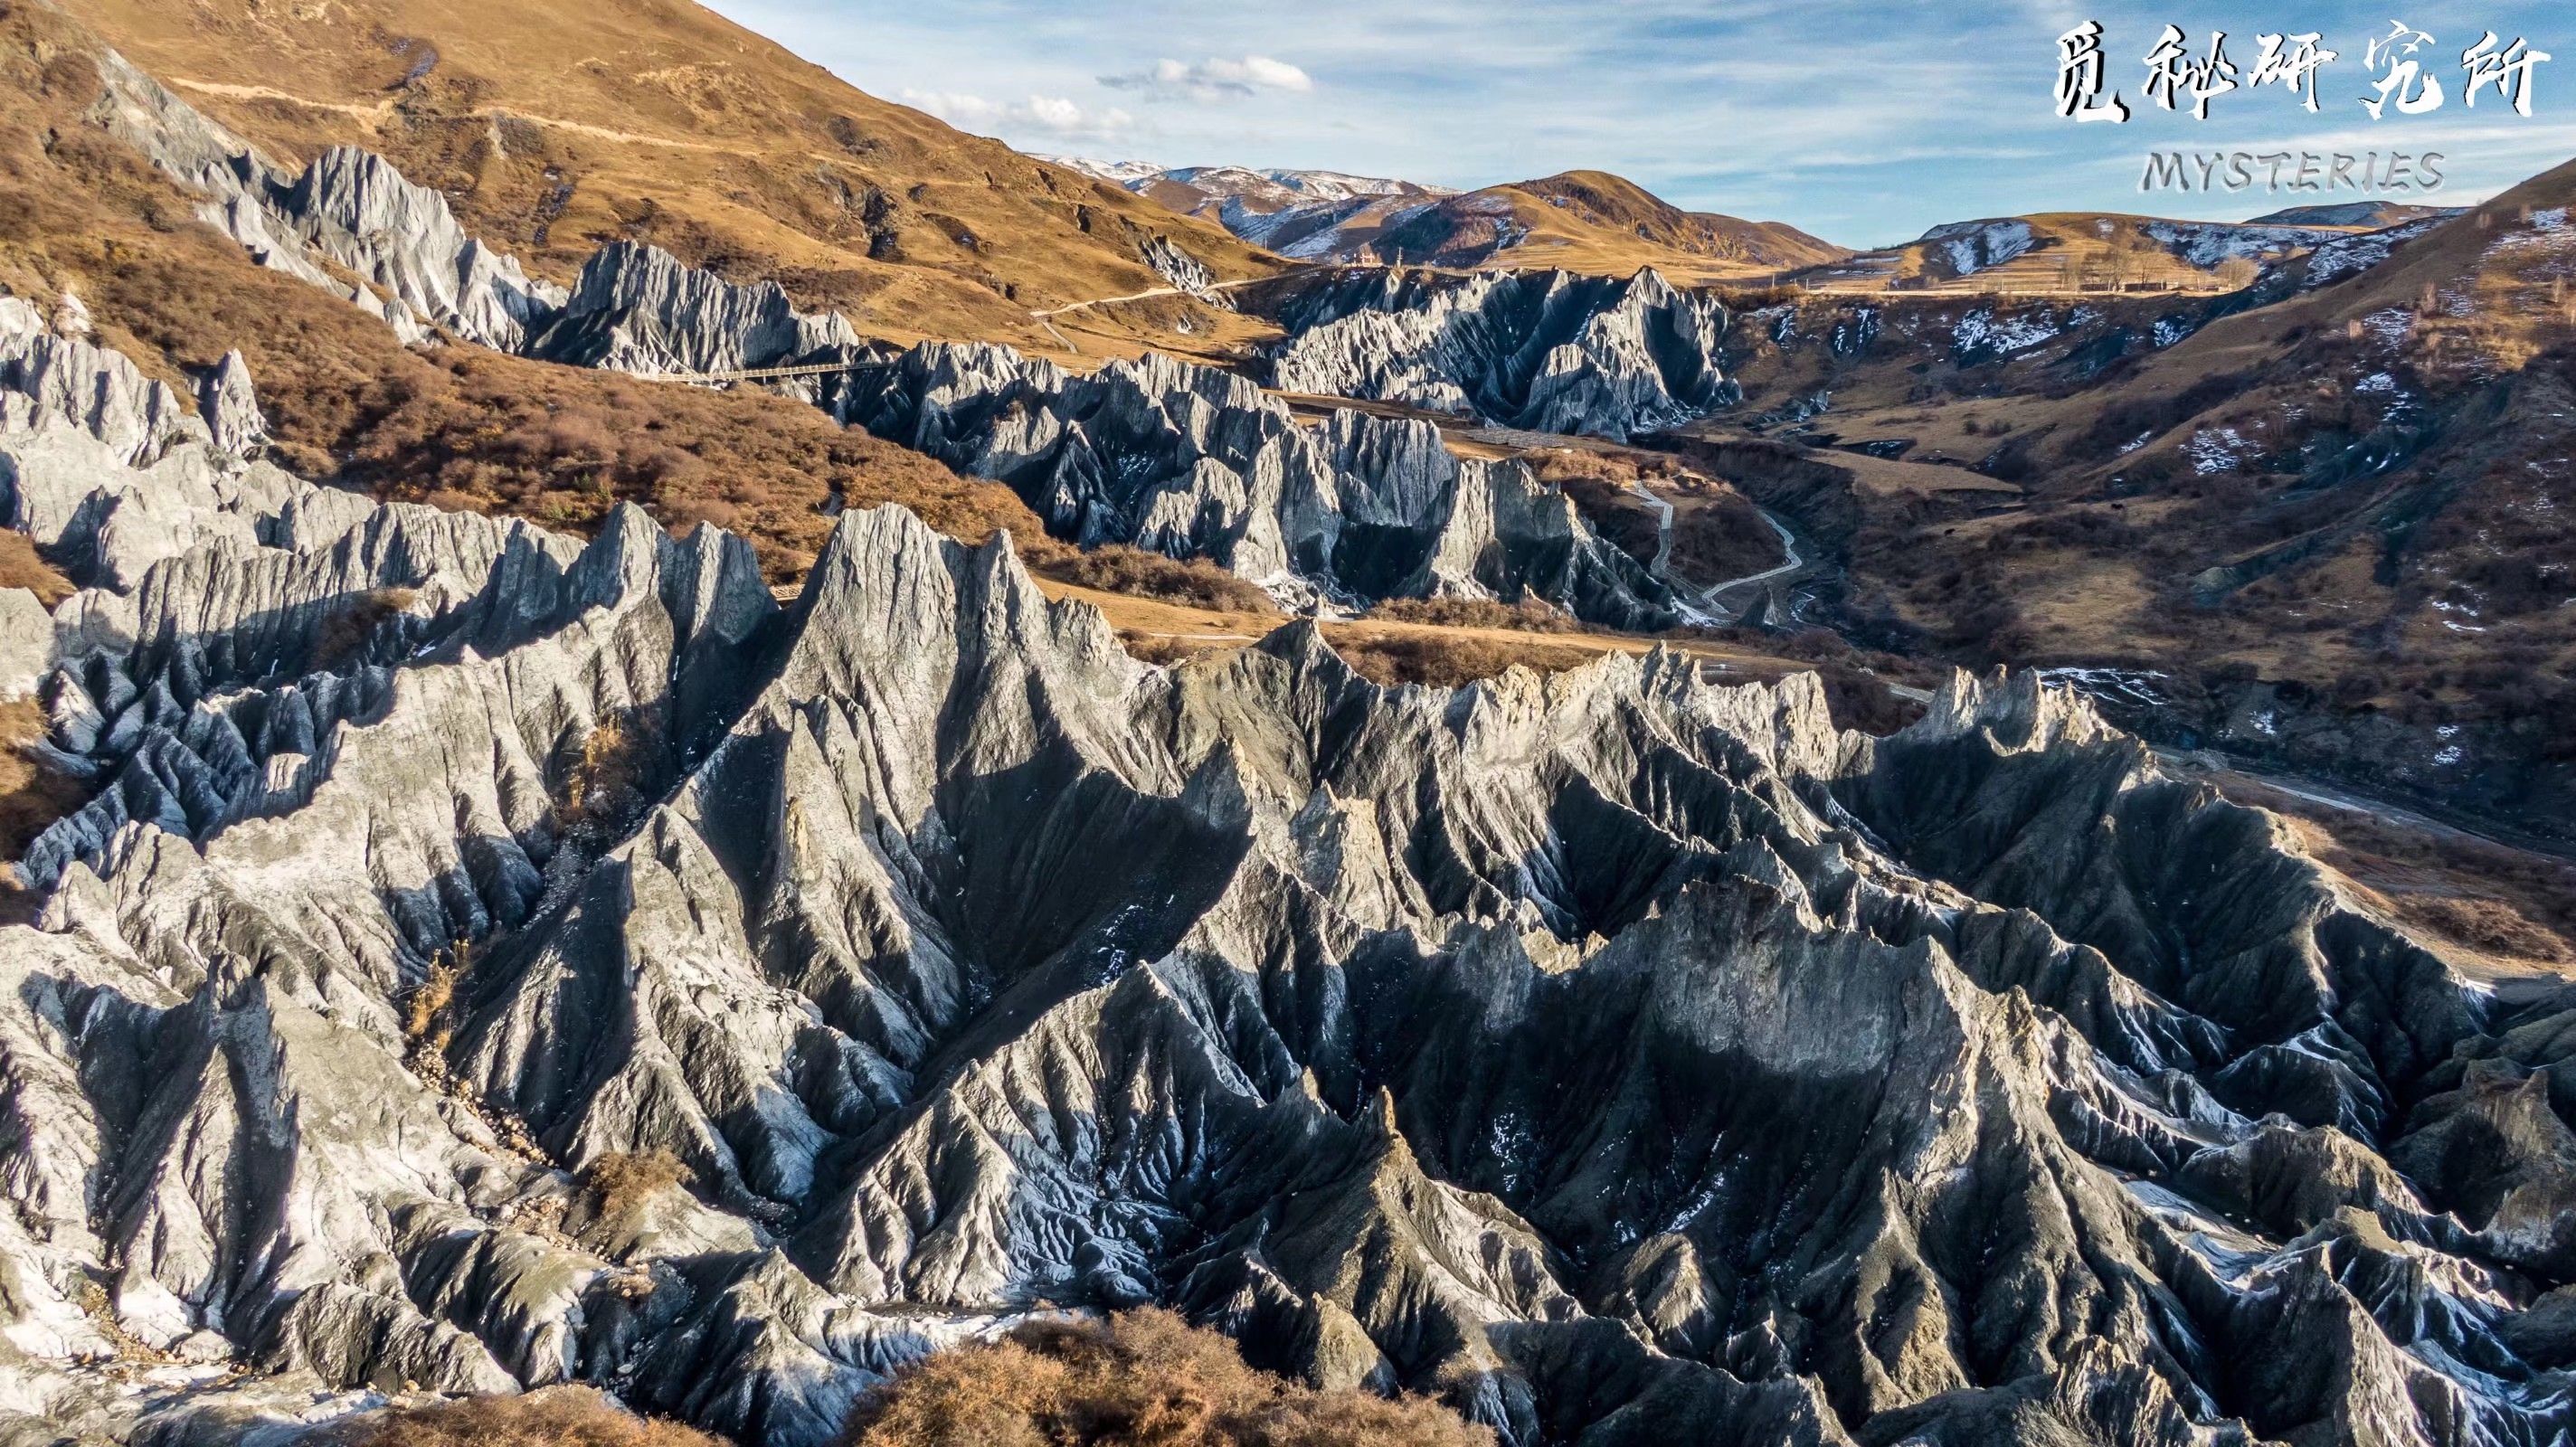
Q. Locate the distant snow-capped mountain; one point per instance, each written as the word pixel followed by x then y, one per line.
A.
pixel 1307 214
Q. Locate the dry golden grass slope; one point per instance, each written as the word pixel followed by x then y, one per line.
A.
pixel 557 125
pixel 1584 221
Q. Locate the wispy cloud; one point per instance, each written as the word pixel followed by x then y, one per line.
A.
pixel 1214 78
pixel 1050 113
pixel 1862 120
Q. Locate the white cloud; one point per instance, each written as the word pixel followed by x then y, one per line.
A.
pixel 1050 113
pixel 1215 79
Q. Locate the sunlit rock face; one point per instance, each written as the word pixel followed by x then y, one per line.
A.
pixel 1195 462
pixel 1549 351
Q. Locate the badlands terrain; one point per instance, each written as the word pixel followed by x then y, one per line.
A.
pixel 682 744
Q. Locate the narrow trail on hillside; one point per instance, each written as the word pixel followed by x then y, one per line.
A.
pixel 1146 295
pixel 1663 526
pixel 1788 548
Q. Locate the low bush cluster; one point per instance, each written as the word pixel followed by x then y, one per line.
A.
pixel 555 1417
pixel 1139 1379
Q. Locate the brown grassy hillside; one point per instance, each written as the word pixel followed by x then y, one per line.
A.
pixel 556 125
pixel 2351 502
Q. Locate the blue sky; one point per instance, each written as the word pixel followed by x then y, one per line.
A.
pixel 1861 122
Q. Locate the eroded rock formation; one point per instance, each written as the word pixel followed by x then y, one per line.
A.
pixel 637 309
pixel 1621 1056
pixel 1196 462
pixel 1548 351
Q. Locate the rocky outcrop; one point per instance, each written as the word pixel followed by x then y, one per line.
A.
pixel 1178 267
pixel 54 383
pixel 349 212
pixel 1619 1055
pixel 1545 351
pixel 1200 463
pixel 354 208
pixel 638 309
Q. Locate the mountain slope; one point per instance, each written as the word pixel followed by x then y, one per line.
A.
pixel 2326 511
pixel 657 120
pixel 1584 221
pixel 2076 251
pixel 2370 215
pixel 1295 213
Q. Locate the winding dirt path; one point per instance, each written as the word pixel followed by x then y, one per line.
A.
pixel 1788 549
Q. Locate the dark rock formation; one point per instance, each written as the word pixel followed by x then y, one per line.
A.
pixel 1547 351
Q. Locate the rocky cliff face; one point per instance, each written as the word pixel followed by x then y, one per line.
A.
pixel 1623 1057
pixel 637 309
pixel 1200 463
pixel 1546 351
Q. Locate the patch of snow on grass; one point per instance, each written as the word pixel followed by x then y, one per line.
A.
pixel 2216 449
pixel 1982 328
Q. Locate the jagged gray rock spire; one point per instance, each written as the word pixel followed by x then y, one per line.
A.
pixel 52 382
pixel 1622 1056
pixel 1548 351
pixel 1195 462
pixel 349 208
pixel 355 208
pixel 1178 267
pixel 637 308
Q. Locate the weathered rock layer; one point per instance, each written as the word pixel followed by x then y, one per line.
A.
pixel 1546 351
pixel 1621 1056
pixel 1195 462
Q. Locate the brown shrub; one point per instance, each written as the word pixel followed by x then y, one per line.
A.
pixel 1447 660
pixel 1139 1378
pixel 33 795
pixel 554 1417
pixel 345 632
pixel 1161 648
pixel 606 785
pixel 21 567
pixel 426 1020
pixel 1118 568
pixel 1529 615
pixel 625 1179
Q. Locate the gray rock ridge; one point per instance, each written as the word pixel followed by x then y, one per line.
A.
pixel 1621 1055
pixel 354 208
pixel 352 214
pixel 1182 270
pixel 637 308
pixel 349 213
pixel 50 382
pixel 1195 462
pixel 1545 351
